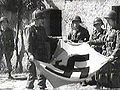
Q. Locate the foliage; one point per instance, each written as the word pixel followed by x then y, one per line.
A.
pixel 14 5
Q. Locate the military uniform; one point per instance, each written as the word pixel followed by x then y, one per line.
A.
pixel 79 35
pixel 38 43
pixel 38 48
pixel 79 32
pixel 112 46
pixel 97 40
pixel 111 42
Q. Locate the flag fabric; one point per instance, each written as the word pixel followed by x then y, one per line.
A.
pixel 65 51
pixel 72 63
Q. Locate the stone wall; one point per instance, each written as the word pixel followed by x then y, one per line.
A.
pixel 86 9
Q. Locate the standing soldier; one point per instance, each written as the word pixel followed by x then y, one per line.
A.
pixel 37 48
pixel 112 50
pixel 7 37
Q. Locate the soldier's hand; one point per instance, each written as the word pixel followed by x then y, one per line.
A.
pixel 80 41
pixel 31 57
pixel 111 58
pixel 88 42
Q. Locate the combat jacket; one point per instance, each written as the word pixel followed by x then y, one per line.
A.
pixel 97 40
pixel 38 42
pixel 80 34
pixel 112 45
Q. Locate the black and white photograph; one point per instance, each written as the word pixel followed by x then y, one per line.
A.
pixel 59 44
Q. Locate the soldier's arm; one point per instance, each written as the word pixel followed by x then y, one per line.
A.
pixel 69 36
pixel 87 36
pixel 99 41
pixel 116 51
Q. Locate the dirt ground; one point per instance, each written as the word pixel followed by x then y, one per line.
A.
pixel 19 83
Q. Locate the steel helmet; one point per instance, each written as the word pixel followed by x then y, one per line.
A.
pixel 37 14
pixel 97 21
pixel 77 18
pixel 111 15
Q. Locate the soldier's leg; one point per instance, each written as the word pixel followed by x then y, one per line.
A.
pixel 41 81
pixel 97 79
pixel 116 74
pixel 31 76
pixel 103 80
pixel 42 56
pixel 109 74
pixel 8 56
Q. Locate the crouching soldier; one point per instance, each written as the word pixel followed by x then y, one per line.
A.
pixel 112 50
pixel 37 48
pixel 97 42
pixel 7 39
pixel 97 38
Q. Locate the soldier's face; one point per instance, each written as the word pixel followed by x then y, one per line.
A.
pixel 98 26
pixel 76 24
pixel 111 22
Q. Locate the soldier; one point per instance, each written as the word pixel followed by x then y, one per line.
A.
pixel 97 38
pixel 7 37
pixel 78 33
pixel 97 41
pixel 37 48
pixel 112 46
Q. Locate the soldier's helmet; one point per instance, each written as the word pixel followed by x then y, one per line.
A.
pixel 97 21
pixel 3 19
pixel 111 15
pixel 77 19
pixel 37 14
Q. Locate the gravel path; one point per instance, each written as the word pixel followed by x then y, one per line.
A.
pixel 20 82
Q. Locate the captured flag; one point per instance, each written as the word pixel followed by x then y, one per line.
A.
pixel 72 63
